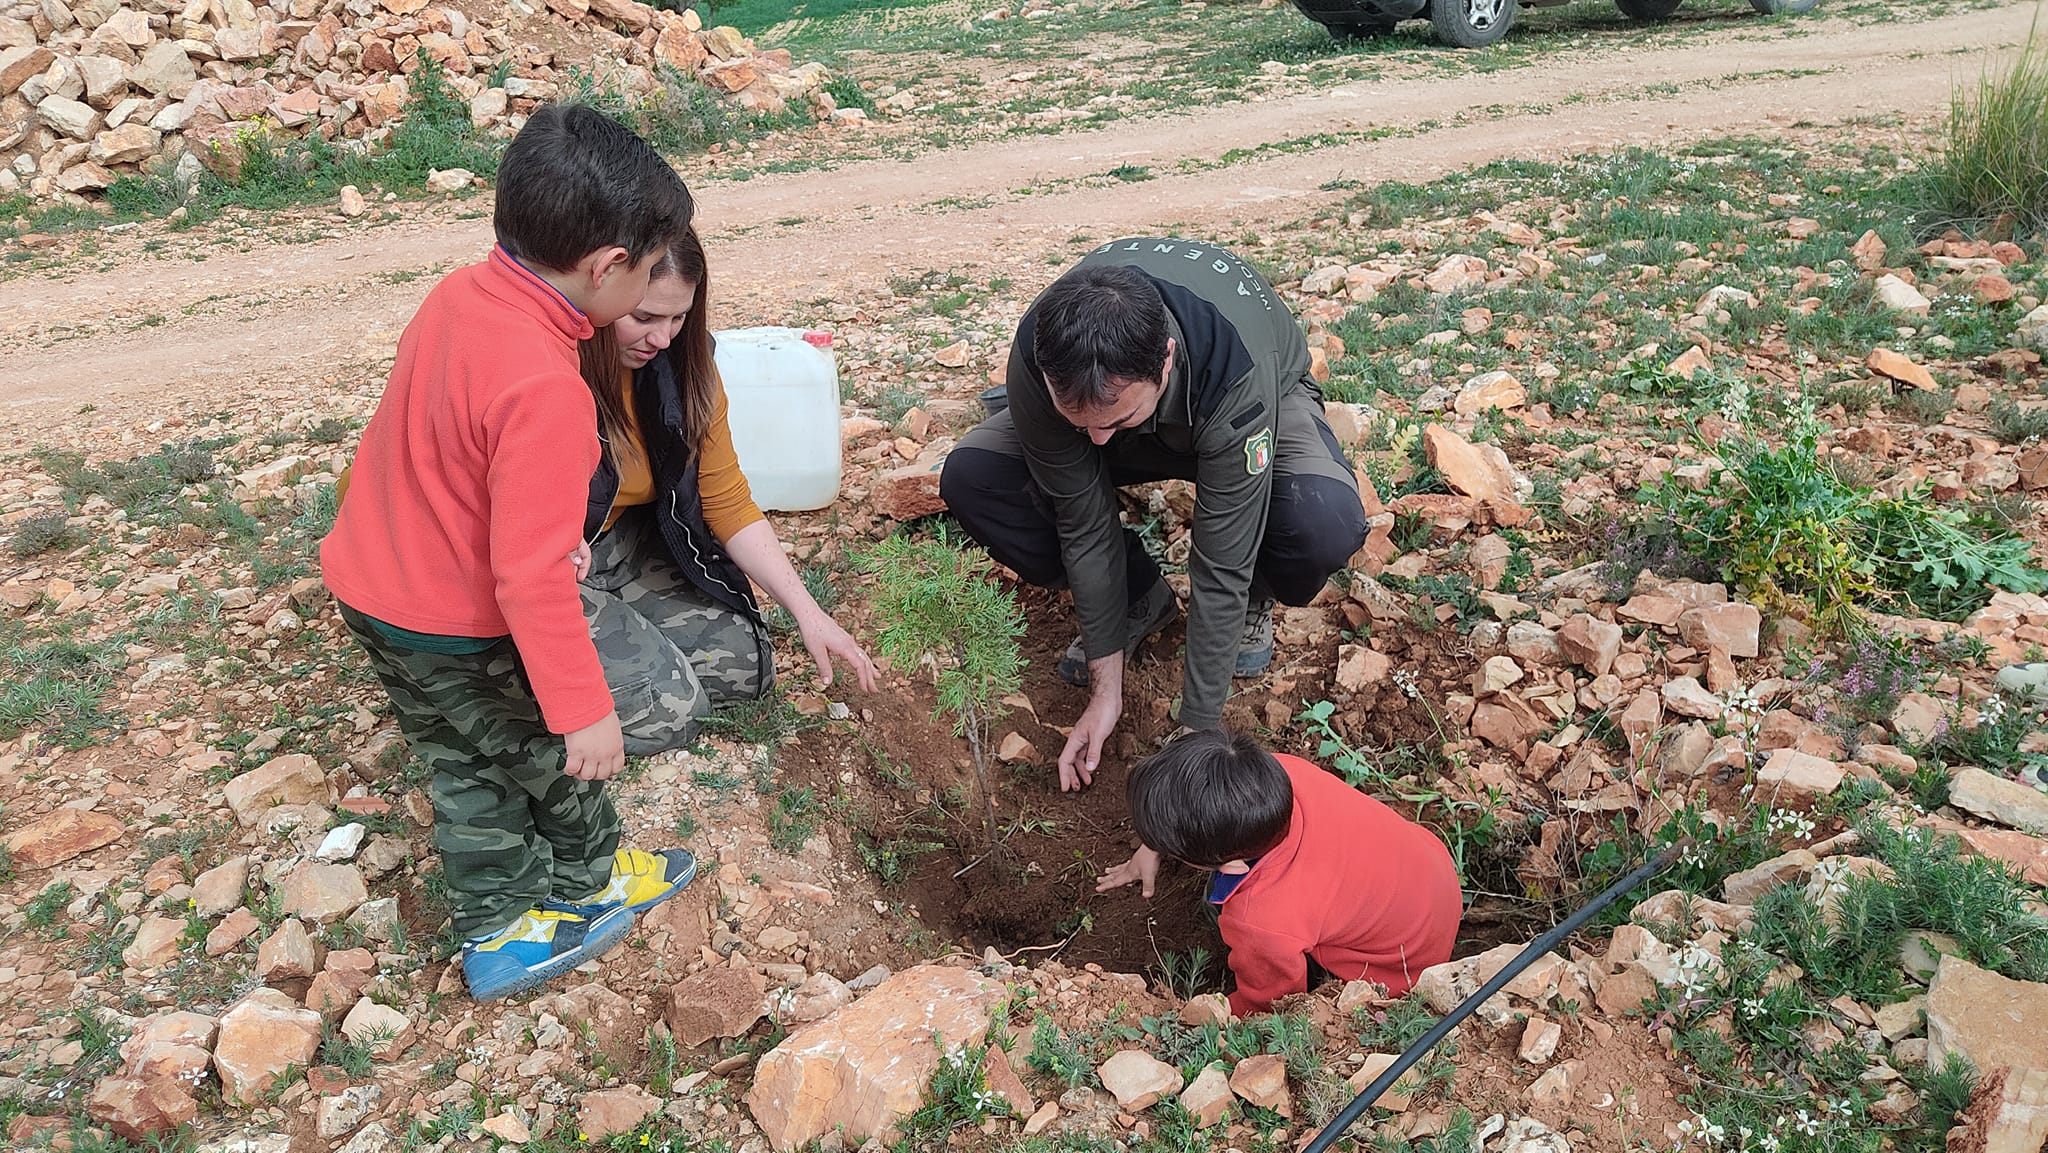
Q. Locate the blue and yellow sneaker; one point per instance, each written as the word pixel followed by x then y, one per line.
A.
pixel 642 880
pixel 541 945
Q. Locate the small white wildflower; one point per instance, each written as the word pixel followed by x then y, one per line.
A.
pixel 1807 1125
pixel 1406 681
pixel 1991 712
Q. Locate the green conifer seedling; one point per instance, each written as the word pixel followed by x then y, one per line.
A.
pixel 935 603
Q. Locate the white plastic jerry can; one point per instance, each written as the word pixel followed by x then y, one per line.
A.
pixel 782 389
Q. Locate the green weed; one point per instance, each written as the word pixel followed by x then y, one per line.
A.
pixel 40 533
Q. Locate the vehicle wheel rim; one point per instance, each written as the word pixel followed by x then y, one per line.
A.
pixel 1482 15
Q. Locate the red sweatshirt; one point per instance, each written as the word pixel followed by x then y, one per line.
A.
pixel 1363 891
pixel 470 487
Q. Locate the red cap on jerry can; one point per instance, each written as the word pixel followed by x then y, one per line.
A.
pixel 818 339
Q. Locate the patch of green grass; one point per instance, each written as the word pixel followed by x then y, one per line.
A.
pixel 2015 425
pixel 56 685
pixel 793 819
pixel 1994 162
pixel 270 171
pixel 42 909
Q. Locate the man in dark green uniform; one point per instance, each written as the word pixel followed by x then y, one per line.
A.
pixel 1153 359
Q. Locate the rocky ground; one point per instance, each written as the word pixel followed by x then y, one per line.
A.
pixel 224 925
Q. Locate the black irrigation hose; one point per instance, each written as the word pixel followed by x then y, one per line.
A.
pixel 1523 960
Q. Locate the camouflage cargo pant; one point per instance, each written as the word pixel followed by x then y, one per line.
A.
pixel 512 831
pixel 670 653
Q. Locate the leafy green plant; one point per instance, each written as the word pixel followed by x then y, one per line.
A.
pixel 41 911
pixel 2014 425
pixel 938 606
pixel 43 532
pixel 1786 528
pixel 1188 975
pixel 959 1096
pixel 793 819
pixel 1057 1055
pixel 891 859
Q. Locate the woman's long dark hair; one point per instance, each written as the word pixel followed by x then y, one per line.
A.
pixel 689 354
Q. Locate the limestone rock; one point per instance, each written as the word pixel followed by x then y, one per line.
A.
pixel 867 1066
pixel 1899 296
pixel 1993 1020
pixel 1590 643
pixel 129 144
pixel 139 1109
pixel 288 954
pixel 1137 1079
pixel 294 779
pixel 1208 1097
pixel 60 835
pixel 1734 628
pixel 67 117
pixel 164 70
pixel 1477 470
pixel 1360 667
pixel 1792 771
pixel 610 1112
pixel 323 893
pixel 351 204
pixel 1489 390
pixel 718 1002
pixel 1556 1088
pixel 1686 697
pixel 155 944
pixel 2009 803
pixel 1262 1080
pixel 1745 887
pixel 259 1038
pixel 218 890
pixel 1528 1135
pixel 909 492
pixel 450 180
pixel 384 1029
pixel 342 1113
pixel 1540 1037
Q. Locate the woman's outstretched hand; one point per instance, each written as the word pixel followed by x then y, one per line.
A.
pixel 826 641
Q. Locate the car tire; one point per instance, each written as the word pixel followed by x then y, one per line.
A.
pixel 1647 10
pixel 1784 7
pixel 1472 23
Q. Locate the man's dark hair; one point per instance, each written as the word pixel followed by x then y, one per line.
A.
pixel 1210 797
pixel 574 180
pixel 1100 327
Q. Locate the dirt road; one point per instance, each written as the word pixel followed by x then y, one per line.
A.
pixel 163 334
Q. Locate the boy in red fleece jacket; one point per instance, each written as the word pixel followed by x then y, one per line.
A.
pixel 1306 868
pixel 454 558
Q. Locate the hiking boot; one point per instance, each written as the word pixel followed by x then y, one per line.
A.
pixel 1255 645
pixel 2028 681
pixel 642 880
pixel 1150 614
pixel 541 945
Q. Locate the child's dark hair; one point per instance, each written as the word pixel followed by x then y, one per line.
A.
pixel 574 180
pixel 1100 327
pixel 1210 797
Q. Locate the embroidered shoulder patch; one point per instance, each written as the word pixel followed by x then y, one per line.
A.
pixel 1258 451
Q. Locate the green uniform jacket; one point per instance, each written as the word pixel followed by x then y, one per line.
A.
pixel 1237 351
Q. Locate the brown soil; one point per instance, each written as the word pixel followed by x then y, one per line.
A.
pixel 1035 891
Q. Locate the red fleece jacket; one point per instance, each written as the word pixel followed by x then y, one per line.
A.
pixel 469 491
pixel 1363 891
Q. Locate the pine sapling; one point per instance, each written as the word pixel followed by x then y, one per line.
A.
pixel 936 604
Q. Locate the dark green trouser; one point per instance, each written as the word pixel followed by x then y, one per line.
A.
pixel 512 831
pixel 670 653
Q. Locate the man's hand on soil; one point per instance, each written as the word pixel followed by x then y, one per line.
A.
pixel 1143 867
pixel 1098 720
